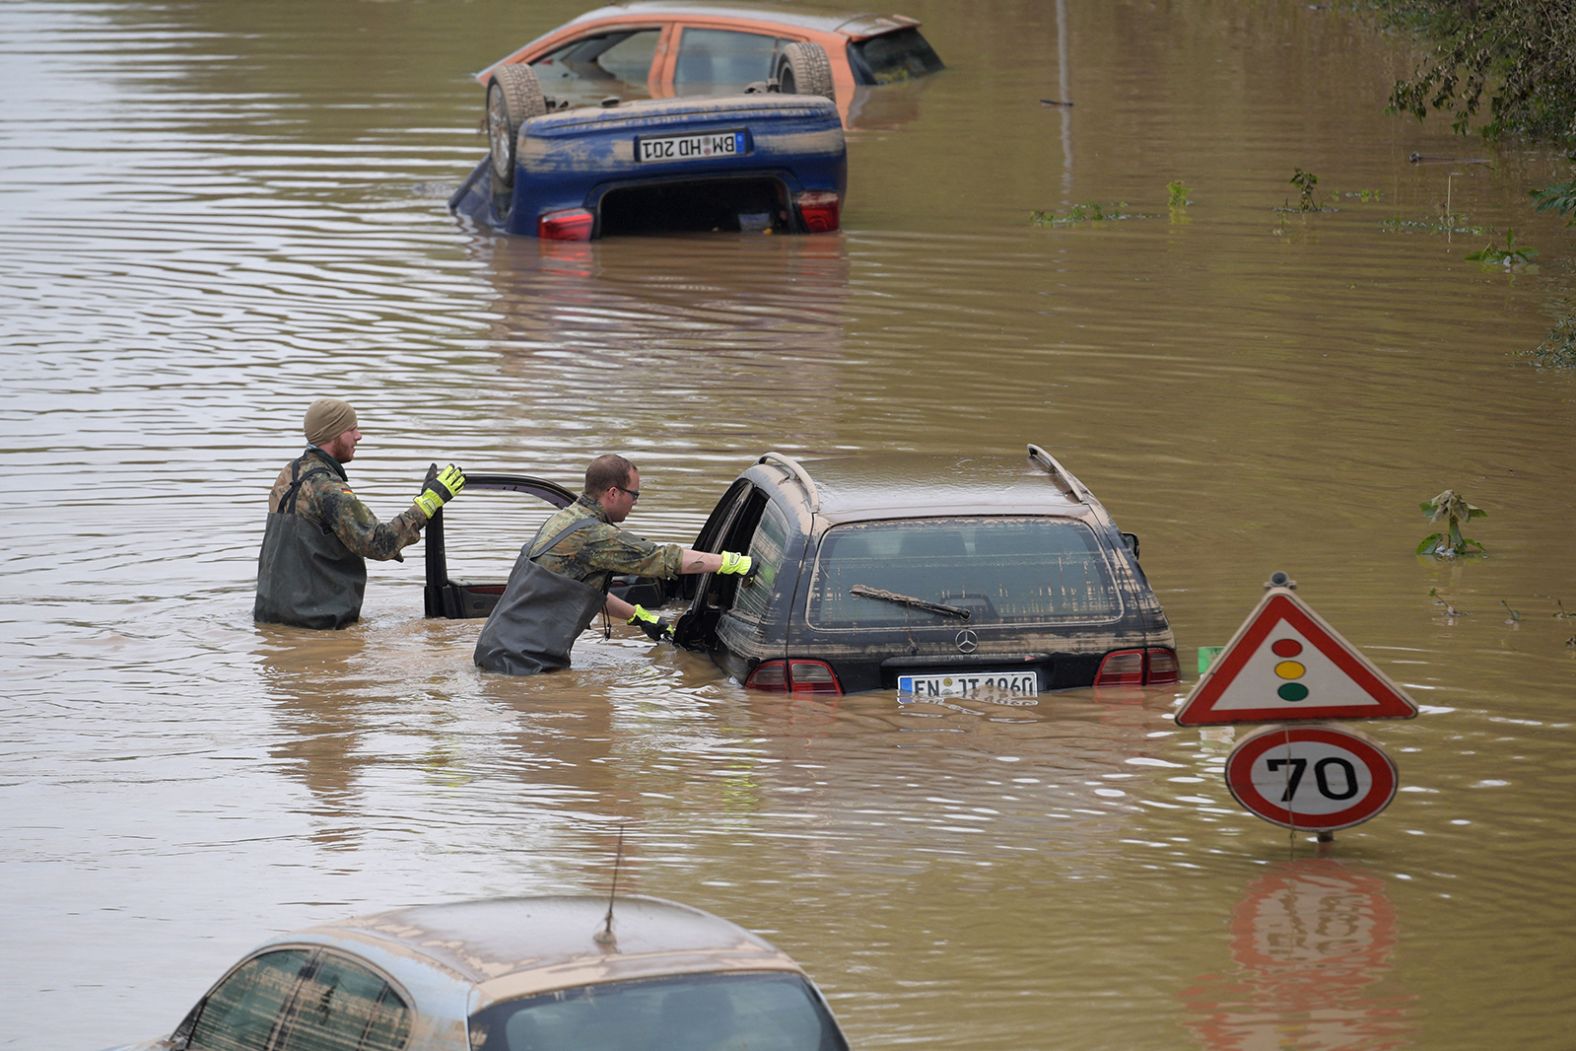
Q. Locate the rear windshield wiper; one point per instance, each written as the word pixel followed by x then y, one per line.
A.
pixel 865 591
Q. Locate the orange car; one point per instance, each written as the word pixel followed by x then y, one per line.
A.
pixel 661 48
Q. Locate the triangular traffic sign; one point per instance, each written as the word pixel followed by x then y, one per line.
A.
pixel 1286 663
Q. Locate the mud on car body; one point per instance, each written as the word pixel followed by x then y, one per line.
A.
pixel 755 162
pixel 930 577
pixel 925 576
pixel 764 160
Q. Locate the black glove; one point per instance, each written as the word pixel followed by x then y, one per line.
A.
pixel 654 626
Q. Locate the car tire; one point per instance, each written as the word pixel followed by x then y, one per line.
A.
pixel 514 96
pixel 804 69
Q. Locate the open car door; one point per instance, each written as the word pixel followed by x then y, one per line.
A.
pixel 459 597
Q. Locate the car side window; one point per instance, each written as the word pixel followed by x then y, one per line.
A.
pixel 623 56
pixel 342 1006
pixel 766 551
pixel 242 1011
pixel 717 57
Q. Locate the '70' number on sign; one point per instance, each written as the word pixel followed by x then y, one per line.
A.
pixel 1336 778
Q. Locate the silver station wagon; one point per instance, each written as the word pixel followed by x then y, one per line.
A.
pixel 933 577
pixel 515 974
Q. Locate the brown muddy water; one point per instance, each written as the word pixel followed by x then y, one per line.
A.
pixel 215 211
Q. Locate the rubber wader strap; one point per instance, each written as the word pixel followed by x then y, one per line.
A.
pixel 579 523
pixel 288 501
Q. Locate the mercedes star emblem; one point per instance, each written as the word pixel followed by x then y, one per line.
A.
pixel 968 642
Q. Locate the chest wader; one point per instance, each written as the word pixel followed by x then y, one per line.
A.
pixel 540 614
pixel 305 575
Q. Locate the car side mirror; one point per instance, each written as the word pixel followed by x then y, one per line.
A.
pixel 1131 540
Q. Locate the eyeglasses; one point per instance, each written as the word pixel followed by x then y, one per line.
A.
pixel 634 494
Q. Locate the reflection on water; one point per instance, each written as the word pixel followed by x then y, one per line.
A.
pixel 1308 937
pixel 216 212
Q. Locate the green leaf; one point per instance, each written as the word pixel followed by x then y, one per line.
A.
pixel 1430 543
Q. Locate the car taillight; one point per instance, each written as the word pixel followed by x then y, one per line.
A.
pixel 1149 667
pixel 794 676
pixel 574 224
pixel 1121 668
pixel 819 210
pixel 1163 666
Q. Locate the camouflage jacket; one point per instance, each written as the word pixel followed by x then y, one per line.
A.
pixel 593 554
pixel 326 499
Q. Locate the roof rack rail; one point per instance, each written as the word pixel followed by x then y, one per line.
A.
pixel 792 466
pixel 1063 478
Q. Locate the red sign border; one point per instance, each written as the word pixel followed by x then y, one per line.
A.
pixel 1277 606
pixel 1239 766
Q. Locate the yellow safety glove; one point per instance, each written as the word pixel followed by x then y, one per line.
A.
pixel 445 487
pixel 654 626
pixel 733 562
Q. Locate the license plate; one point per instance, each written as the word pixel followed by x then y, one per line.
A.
pixel 1023 683
pixel 689 147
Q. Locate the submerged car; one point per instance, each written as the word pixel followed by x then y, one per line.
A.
pixel 662 48
pixel 763 161
pixel 515 974
pixel 929 577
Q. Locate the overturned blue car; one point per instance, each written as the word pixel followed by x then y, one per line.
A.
pixel 762 161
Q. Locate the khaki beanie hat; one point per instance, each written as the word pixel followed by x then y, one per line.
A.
pixel 327 419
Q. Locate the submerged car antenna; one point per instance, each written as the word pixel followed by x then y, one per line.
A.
pixel 605 936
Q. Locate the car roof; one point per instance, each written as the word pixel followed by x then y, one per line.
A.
pixel 854 24
pixel 513 947
pixel 909 485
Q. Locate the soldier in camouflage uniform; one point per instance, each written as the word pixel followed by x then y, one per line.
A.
pixel 560 581
pixel 312 568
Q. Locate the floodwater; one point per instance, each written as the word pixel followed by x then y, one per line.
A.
pixel 216 211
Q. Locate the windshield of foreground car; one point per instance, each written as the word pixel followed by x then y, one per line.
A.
pixel 894 57
pixel 1002 570
pixel 698 1012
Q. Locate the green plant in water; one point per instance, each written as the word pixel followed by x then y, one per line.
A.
pixel 1558 349
pixel 1446 604
pixel 1560 197
pixel 1092 212
pixel 1452 509
pixel 1305 182
pixel 1509 257
pixel 1176 195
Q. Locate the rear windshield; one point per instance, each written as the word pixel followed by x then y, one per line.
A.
pixel 891 57
pixel 760 1012
pixel 1001 570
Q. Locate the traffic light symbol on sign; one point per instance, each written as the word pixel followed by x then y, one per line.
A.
pixel 1287 663
pixel 1290 670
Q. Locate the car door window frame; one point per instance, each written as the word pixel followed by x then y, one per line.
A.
pixel 766 570
pixel 186 1032
pixel 387 987
pixel 624 33
pixel 682 34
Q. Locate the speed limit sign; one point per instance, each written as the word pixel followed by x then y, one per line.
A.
pixel 1311 777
